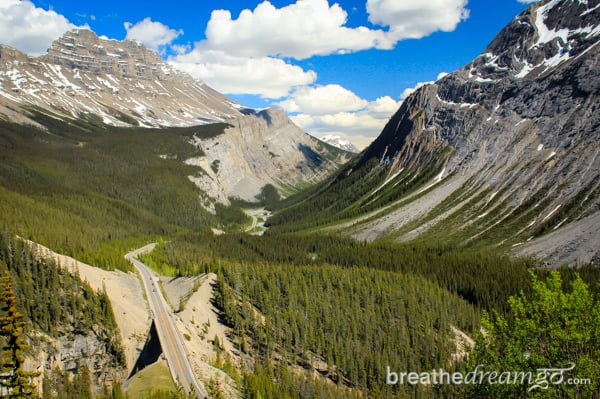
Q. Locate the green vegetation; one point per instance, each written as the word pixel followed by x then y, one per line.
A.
pixel 484 278
pixel 314 315
pixel 93 193
pixel 551 328
pixel 382 304
pixel 351 193
pixel 231 218
pixel 15 381
pixel 153 378
pixel 49 299
pixel 55 301
pixel 368 319
pixel 269 381
pixel 58 384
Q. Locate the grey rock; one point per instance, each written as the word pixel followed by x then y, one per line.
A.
pixel 123 83
pixel 521 120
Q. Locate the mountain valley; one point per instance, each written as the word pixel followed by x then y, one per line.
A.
pixel 503 150
pixel 466 234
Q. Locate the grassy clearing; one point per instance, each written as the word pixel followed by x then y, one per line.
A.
pixel 153 378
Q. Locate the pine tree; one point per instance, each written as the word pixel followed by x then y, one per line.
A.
pixel 15 382
pixel 552 328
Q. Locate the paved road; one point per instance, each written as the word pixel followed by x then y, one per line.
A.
pixel 253 225
pixel 168 335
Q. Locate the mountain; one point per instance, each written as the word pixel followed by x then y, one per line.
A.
pixel 122 83
pixel 340 143
pixel 501 152
pixel 260 148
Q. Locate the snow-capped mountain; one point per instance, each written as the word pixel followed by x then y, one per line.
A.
pixel 340 143
pixel 123 83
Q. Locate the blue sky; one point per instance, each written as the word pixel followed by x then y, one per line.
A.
pixel 336 67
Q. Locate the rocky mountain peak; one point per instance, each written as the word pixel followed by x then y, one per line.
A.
pixel 83 50
pixel 340 143
pixel 121 82
pixel 539 39
pixel 519 122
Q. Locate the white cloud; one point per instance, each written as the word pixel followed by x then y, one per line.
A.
pixel 299 30
pixel 322 100
pixel 320 113
pixel 235 49
pixel 28 28
pixel 154 35
pixel 313 27
pixel 383 107
pixel 527 1
pixel 266 76
pixel 417 18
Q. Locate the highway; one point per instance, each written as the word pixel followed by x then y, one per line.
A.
pixel 168 334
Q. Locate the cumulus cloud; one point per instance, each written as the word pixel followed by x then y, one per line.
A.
pixel 269 37
pixel 313 27
pixel 266 76
pixel 416 18
pixel 154 35
pixel 28 28
pixel 335 110
pixel 322 100
pixel 299 30
pixel 383 107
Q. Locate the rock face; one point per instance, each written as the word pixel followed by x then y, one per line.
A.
pixel 514 134
pixel 124 83
pixel 262 148
pixel 72 352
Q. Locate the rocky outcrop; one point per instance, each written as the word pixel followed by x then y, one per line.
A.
pixel 518 126
pixel 71 352
pixel 262 148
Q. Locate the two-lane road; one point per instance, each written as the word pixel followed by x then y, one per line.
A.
pixel 168 334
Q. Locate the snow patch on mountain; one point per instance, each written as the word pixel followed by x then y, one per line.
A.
pixel 340 143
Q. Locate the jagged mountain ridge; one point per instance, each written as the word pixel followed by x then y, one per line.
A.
pixel 123 83
pixel 507 144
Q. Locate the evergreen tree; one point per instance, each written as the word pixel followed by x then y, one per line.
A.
pixel 15 382
pixel 551 329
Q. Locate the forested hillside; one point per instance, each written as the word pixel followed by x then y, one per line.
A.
pixel 93 193
pixel 404 259
pixel 344 310
pixel 59 308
